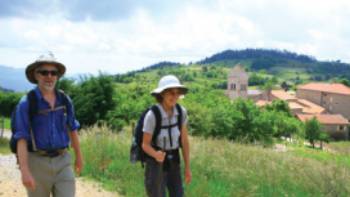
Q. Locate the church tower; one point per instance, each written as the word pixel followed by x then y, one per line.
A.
pixel 237 84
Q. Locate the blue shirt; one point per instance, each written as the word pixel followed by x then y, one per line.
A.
pixel 50 129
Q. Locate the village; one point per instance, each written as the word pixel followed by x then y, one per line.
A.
pixel 328 102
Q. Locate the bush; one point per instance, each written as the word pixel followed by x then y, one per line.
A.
pixel 8 102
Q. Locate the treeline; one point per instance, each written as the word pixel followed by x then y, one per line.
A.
pixel 257 54
pixel 263 59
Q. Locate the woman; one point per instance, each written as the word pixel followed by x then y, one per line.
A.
pixel 163 160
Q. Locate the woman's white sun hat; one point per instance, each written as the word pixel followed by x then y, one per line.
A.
pixel 167 82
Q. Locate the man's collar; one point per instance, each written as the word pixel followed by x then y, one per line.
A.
pixel 38 93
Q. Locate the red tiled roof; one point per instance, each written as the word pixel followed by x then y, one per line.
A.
pixel 337 88
pixel 325 118
pixel 294 105
pixel 281 94
pixel 310 107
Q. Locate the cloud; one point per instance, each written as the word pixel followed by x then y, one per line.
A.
pixel 27 8
pixel 118 36
pixel 80 10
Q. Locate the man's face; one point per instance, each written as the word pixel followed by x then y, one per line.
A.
pixel 46 76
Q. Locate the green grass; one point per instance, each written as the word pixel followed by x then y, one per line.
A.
pixel 4 146
pixel 324 156
pixel 340 147
pixel 7 122
pixel 222 168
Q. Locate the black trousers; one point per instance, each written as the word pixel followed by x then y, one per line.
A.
pixel 158 177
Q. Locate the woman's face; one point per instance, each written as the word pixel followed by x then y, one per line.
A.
pixel 170 96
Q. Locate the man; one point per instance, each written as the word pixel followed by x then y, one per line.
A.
pixel 42 140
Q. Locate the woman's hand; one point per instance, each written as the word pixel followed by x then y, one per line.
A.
pixel 160 156
pixel 188 176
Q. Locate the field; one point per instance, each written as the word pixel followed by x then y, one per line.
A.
pixel 222 168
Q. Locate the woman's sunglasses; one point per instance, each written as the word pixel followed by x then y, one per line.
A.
pixel 47 72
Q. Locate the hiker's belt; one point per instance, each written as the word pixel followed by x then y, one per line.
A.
pixel 51 153
pixel 170 154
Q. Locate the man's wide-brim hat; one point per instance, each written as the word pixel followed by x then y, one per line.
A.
pixel 48 58
pixel 168 82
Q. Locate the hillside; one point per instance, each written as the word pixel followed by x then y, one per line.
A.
pixel 277 62
pixel 13 79
pixel 288 66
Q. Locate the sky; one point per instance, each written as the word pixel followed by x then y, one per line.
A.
pixel 117 36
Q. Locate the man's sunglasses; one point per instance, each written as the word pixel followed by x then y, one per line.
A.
pixel 47 72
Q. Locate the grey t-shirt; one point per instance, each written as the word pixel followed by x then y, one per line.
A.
pixel 150 123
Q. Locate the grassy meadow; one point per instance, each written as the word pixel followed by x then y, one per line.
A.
pixel 222 168
pixel 4 146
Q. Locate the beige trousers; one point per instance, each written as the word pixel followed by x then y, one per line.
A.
pixel 52 176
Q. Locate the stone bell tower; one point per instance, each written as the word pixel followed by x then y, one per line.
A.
pixel 237 84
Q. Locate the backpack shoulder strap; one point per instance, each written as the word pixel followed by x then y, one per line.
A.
pixel 179 117
pixel 156 112
pixel 32 111
pixel 60 93
pixel 33 107
pixel 179 120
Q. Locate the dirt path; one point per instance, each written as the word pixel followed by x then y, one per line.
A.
pixel 10 182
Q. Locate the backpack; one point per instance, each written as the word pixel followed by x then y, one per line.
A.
pixel 32 111
pixel 136 151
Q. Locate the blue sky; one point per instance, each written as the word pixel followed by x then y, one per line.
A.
pixel 119 36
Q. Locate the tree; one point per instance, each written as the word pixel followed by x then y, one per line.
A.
pixel 312 131
pixel 8 102
pixel 255 79
pixel 279 106
pixel 324 137
pixel 67 85
pixel 93 99
pixel 246 125
pixel 285 86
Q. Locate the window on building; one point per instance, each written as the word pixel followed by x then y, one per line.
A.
pixel 243 87
pixel 340 128
pixel 233 86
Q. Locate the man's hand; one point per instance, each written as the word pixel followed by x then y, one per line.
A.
pixel 78 165
pixel 28 180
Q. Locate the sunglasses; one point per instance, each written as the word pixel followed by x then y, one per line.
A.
pixel 47 72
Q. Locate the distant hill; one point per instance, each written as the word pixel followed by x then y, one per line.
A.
pixel 159 65
pixel 280 56
pixel 5 90
pixel 278 62
pixel 13 79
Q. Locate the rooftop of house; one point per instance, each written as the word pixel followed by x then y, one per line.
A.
pixel 310 107
pixel 337 88
pixel 327 119
pixel 294 105
pixel 283 95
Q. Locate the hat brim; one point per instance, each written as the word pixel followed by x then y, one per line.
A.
pixel 160 90
pixel 33 66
